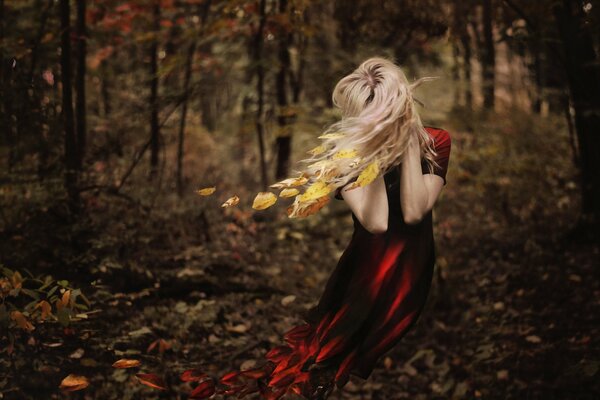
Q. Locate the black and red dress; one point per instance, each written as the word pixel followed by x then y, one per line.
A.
pixel 373 297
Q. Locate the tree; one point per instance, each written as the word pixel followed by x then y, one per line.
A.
pixel 80 81
pixel 260 90
pixel 154 125
pixel 581 64
pixel 284 116
pixel 70 152
pixel 489 55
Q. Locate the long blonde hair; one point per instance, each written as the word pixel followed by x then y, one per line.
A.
pixel 378 117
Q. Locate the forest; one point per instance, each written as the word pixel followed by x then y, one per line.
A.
pixel 143 238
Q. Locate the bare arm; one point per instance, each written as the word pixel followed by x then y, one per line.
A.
pixel 370 205
pixel 418 191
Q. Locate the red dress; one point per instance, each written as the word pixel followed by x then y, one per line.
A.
pixel 372 299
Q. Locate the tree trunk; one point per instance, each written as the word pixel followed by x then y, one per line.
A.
pixel 284 135
pixel 67 104
pixel 80 81
pixel 489 56
pixel 154 125
pixel 184 108
pixel 584 83
pixel 260 73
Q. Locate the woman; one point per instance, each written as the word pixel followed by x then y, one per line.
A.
pixel 382 280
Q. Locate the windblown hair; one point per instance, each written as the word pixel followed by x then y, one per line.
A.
pixel 378 117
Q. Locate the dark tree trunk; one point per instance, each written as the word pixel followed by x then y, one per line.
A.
pixel 584 83
pixel 80 81
pixel 67 104
pixel 489 55
pixel 467 54
pixel 260 73
pixel 154 125
pixel 284 136
pixel 184 108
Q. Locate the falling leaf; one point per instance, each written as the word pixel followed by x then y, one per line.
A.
pixel 203 390
pixel 315 191
pixel 290 192
pixel 126 363
pixel 304 209
pixel 151 380
pixel 264 200
pixel 206 191
pixel 316 150
pixel 346 153
pixel 332 136
pixel 368 175
pixel 192 375
pixel 232 201
pixel 533 339
pixel 74 382
pixel 290 182
pixel 21 320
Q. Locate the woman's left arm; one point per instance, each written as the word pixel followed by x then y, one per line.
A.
pixel 418 191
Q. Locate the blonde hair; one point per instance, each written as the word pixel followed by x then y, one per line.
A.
pixel 378 117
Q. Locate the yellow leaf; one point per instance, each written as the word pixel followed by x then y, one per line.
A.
pixel 304 209
pixel 64 301
pixel 290 182
pixel 206 191
pixel 74 382
pixel 368 175
pixel 126 363
pixel 21 321
pixel 314 191
pixel 264 200
pixel 288 192
pixel 346 153
pixel 316 150
pixel 332 136
pixel 232 201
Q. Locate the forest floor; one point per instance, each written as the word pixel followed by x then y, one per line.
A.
pixel 512 313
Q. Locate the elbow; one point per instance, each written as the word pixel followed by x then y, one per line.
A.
pixel 377 229
pixel 413 219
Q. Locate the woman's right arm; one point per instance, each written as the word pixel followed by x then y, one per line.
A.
pixel 370 205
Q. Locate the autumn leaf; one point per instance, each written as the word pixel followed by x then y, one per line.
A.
pixel 316 150
pixel 21 320
pixel 206 191
pixel 368 175
pixel 315 191
pixel 74 382
pixel 346 153
pixel 232 201
pixel 162 344
pixel 304 209
pixel 290 192
pixel 126 363
pixel 332 136
pixel 192 375
pixel 203 390
pixel 46 309
pixel 264 200
pixel 290 182
pixel 152 381
pixel 64 300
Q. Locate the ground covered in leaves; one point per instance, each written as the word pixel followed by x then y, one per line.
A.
pixel 511 314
